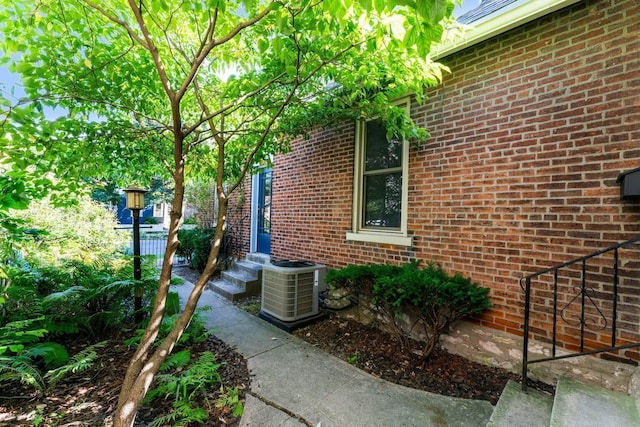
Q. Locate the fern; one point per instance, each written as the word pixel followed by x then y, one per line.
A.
pixel 192 383
pixel 177 360
pixel 16 336
pixel 62 324
pixel 114 286
pixel 201 375
pixel 183 414
pixel 196 379
pixel 69 292
pixel 52 353
pixel 18 327
pixel 16 340
pixel 196 331
pixel 230 399
pixel 20 368
pixel 81 361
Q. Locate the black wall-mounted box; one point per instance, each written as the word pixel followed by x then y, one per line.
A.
pixel 629 184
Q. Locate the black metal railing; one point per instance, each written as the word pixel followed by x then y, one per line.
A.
pixel 578 304
pixel 233 241
pixel 154 243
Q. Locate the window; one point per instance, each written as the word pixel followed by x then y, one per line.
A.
pixel 158 210
pixel 380 185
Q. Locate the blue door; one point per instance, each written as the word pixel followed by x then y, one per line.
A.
pixel 264 212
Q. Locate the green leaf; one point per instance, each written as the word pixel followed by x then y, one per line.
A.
pixel 291 71
pixel 16 348
pixel 263 45
pixel 54 354
pixel 69 292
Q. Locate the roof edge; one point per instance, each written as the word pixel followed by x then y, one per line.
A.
pixel 500 23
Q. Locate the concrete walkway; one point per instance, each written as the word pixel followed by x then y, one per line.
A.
pixel 296 384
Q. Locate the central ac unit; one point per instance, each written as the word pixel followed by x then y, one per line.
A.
pixel 290 289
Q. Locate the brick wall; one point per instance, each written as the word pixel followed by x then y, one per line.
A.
pixel 529 133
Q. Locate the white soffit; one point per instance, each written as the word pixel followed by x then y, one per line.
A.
pixel 503 20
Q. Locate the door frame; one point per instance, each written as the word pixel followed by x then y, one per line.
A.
pixel 255 192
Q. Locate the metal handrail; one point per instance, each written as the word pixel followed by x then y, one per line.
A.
pixel 583 295
pixel 230 242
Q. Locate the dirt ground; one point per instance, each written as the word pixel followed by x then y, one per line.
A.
pixel 379 354
pixel 89 398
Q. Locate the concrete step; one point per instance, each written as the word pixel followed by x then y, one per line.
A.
pixel 517 408
pixel 248 267
pixel 258 258
pixel 227 289
pixel 238 278
pixel 243 280
pixel 578 404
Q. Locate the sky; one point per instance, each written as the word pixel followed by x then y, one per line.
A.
pixel 8 80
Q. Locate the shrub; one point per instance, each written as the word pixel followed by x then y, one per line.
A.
pixel 52 235
pixel 195 245
pixel 190 221
pixel 431 298
pixel 151 220
pixel 359 279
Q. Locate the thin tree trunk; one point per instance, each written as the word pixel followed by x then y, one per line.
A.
pixel 145 365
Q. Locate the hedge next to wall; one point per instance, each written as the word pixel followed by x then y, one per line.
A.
pixel 429 297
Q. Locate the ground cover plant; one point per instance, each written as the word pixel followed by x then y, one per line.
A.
pixel 88 397
pixel 74 339
pixel 429 297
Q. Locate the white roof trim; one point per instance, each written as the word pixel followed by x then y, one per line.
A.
pixel 515 15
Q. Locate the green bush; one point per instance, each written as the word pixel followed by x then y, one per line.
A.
pixel 432 298
pixel 360 279
pixel 190 221
pixel 151 220
pixel 52 235
pixel 187 240
pixel 195 245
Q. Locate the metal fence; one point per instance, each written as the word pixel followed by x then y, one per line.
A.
pixel 155 243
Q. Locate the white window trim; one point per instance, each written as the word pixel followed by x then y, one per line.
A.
pixel 158 210
pixel 358 233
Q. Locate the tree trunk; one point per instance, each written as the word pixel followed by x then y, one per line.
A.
pixel 146 362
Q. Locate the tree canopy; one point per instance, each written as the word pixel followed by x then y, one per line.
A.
pixel 173 90
pixel 231 66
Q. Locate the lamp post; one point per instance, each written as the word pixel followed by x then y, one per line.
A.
pixel 135 203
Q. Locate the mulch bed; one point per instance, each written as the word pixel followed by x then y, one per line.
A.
pixel 381 355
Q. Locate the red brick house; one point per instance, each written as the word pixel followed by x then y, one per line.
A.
pixel 529 133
